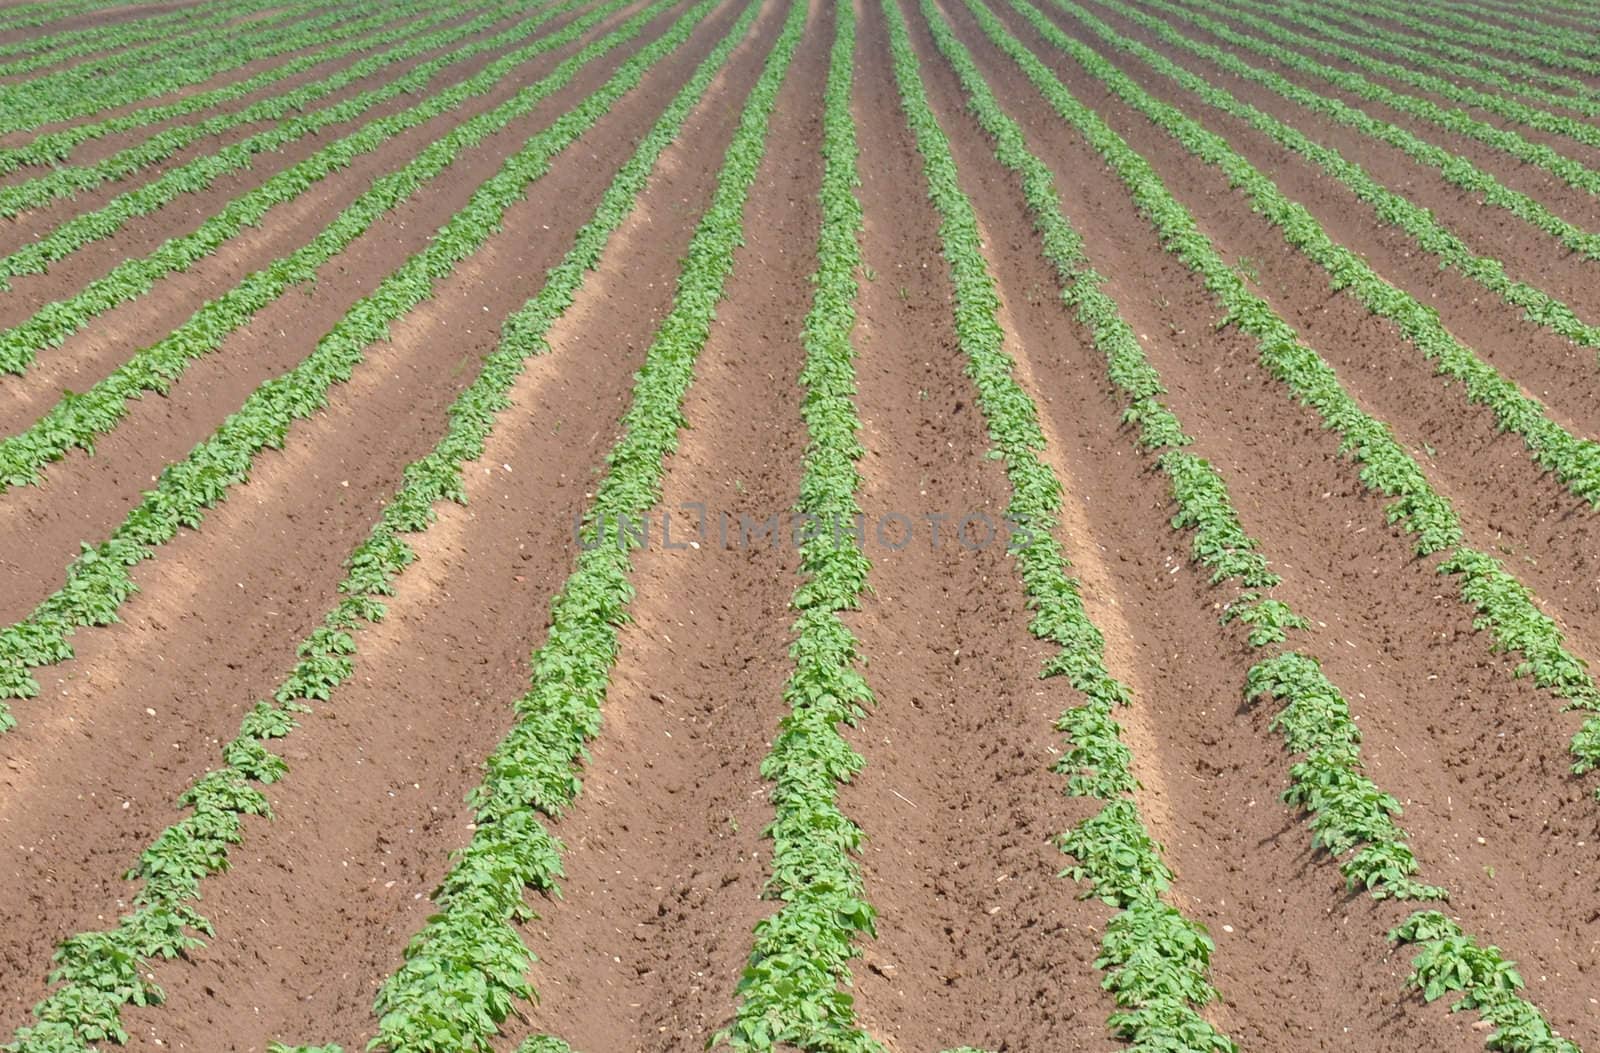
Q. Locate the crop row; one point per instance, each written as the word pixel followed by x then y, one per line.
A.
pixel 100 972
pixel 1460 71
pixel 18 346
pixel 1532 65
pixel 1220 543
pixel 48 148
pixel 794 992
pixel 1390 208
pixel 78 420
pixel 106 970
pixel 98 580
pixel 26 16
pixel 1504 605
pixel 1538 10
pixel 1531 39
pixel 1157 961
pixel 79 91
pixel 53 323
pixel 467 968
pixel 1428 82
pixel 1451 120
pixel 1455 169
pixel 67 180
pixel 1359 16
pixel 1575 461
pixel 1350 816
pixel 181 24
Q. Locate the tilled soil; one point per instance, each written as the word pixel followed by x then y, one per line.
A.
pixel 980 940
pixel 1280 464
pixel 665 844
pixel 226 602
pixel 85 496
pixel 1573 204
pixel 85 358
pixel 483 589
pixel 961 869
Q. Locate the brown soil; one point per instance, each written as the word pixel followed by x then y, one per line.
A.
pixel 1499 479
pixel 86 357
pixel 221 608
pixel 104 17
pixel 962 868
pixel 112 57
pixel 1335 551
pixel 86 496
pixel 1578 206
pixel 666 859
pixel 26 226
pixel 1379 53
pixel 979 940
pixel 37 222
pixel 489 590
pixel 1527 253
pixel 1222 772
pixel 1493 15
pixel 1507 50
pixel 228 75
pixel 1560 371
pixel 122 139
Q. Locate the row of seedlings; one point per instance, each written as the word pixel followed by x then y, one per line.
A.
pixel 467 968
pixel 79 420
pixel 68 180
pixel 100 972
pixel 1503 603
pixel 1157 961
pixel 1455 169
pixel 1351 818
pixel 99 580
pixel 53 323
pixel 794 991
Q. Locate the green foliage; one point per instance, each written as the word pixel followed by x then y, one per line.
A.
pixel 1505 607
pixel 25 16
pixel 65 181
pixel 466 969
pixel 1269 619
pixel 1156 961
pixel 1326 42
pixel 1573 460
pixel 1349 814
pixel 183 24
pixel 793 991
pixel 1394 210
pixel 76 420
pixel 1450 962
pixel 46 149
pixel 1094 763
pixel 1458 121
pixel 98 580
pixel 1548 46
pixel 1444 54
pixel 99 972
pixel 171 65
pixel 1455 169
pixel 543 1044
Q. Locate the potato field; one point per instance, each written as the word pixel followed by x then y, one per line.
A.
pixel 893 526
